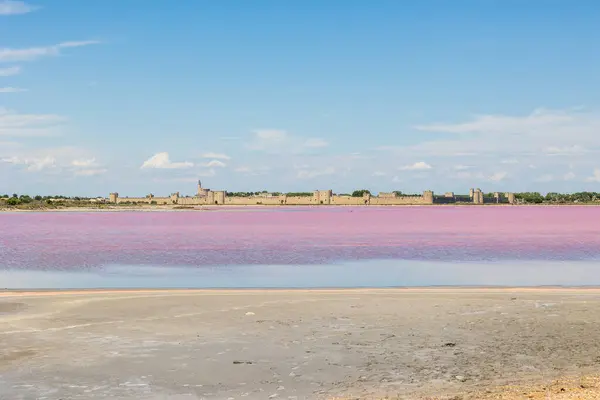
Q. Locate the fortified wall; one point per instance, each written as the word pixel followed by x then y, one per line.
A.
pixel 206 196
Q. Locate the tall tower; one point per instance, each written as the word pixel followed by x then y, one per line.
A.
pixel 511 198
pixel 201 191
pixel 428 196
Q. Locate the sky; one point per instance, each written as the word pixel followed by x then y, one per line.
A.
pixel 146 97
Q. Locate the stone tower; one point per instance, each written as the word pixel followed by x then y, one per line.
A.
pixel 201 191
pixel 511 198
pixel 478 196
pixel 325 196
pixel 113 197
pixel 219 197
pixel 210 197
pixel 428 196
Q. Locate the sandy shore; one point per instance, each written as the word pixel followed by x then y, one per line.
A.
pixel 301 344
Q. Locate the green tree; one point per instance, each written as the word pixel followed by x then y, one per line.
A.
pixel 360 193
pixel 530 197
pixel 13 201
pixel 299 194
pixel 25 199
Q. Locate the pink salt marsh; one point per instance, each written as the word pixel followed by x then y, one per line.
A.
pixel 297 235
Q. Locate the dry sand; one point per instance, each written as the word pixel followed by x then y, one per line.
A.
pixel 284 344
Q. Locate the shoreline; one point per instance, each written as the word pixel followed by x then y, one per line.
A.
pixel 259 206
pixel 261 291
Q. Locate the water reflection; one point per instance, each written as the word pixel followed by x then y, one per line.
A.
pixel 386 273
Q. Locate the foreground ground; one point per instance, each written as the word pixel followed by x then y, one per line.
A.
pixel 401 343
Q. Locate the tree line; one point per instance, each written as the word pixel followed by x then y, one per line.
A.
pixel 556 198
pixel 16 199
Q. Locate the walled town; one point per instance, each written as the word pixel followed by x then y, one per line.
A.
pixel 206 196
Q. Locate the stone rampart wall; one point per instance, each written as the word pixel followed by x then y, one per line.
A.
pixel 162 200
pixel 190 201
pixel 276 200
pixel 401 200
pixel 301 200
pixel 323 197
pixel 349 201
pixel 133 200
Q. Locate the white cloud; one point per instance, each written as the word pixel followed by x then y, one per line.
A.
pixel 418 166
pixel 14 7
pixel 33 53
pixel 315 142
pixel 69 159
pixel 246 170
pixel 90 172
pixel 379 173
pixel 83 163
pixel 206 173
pixel 13 123
pixel 308 174
pixel 562 130
pixel 10 71
pixel 271 134
pixel 509 161
pixel 218 156
pixel 10 89
pixel 569 176
pixel 595 177
pixel 268 140
pixel 537 122
pixel 562 151
pixel 32 163
pixel 461 167
pixel 162 161
pixel 480 176
pixel 87 167
pixel 281 141
pixel 214 163
pixel 551 177
pixel 7 144
pixel 498 176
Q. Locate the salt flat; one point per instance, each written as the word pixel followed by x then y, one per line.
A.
pixel 304 344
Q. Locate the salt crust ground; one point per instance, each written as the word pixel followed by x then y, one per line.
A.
pixel 284 344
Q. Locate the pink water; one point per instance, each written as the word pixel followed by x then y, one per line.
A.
pixel 59 241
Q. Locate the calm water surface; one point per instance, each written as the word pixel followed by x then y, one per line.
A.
pixel 302 247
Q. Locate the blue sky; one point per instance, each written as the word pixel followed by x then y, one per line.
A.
pixel 148 96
